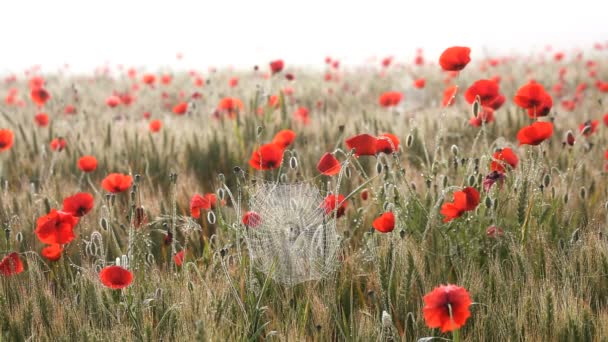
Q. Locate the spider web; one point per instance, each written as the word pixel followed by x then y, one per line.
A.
pixel 295 240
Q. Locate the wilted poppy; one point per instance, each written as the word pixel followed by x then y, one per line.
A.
pixel 385 223
pixel 116 182
pixel 56 227
pixel 455 58
pixel 252 219
pixel 387 143
pixel 267 157
pixel 447 307
pixel 87 163
pixel 6 139
pixel 334 202
pixel 328 165
pixel 284 138
pixel 390 98
pixel 502 157
pixel 198 202
pixel 115 277
pixel 11 264
pixel 465 200
pixel 79 204
pixel 364 144
pixel 535 134
pixel 52 252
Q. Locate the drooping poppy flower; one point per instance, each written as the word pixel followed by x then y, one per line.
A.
pixel 487 90
pixel 6 139
pixel 485 116
pixel 198 202
pixel 385 223
pixel 79 204
pixel 180 108
pixel 277 66
pixel 155 126
pixel 58 144
pixel 113 101
pixel 588 127
pixel 302 114
pixel 41 119
pixel 179 257
pixel 465 200
pixel 535 134
pixel 387 143
pixel 87 163
pixel 491 178
pixel 52 252
pixel 334 202
pixel 449 96
pixel 534 98
pixel 40 96
pixel 447 307
pixel 230 106
pixel 329 165
pixel 252 219
pixel 364 144
pixel 115 277
pixel 455 58
pixel 11 264
pixel 267 157
pixel 502 157
pixel 56 227
pixel 284 138
pixel 419 83
pixel 390 99
pixel 116 182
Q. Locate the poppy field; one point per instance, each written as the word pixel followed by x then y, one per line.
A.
pixel 444 197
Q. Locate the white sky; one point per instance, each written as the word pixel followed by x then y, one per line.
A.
pixel 242 33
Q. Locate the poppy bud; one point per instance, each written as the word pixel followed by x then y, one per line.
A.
pixel 495 204
pixel 547 180
pixel 379 167
pixel 566 198
pixel 259 130
pixel 220 193
pixel 445 181
pixel 19 237
pixel 211 217
pixel 570 138
pixel 409 141
pixel 103 223
pixel 402 233
pixel 476 106
pixel 454 150
pixel 488 202
pixel 221 178
pixel 293 162
pixel 582 193
pixel 472 180
pixel 586 129
pixel 348 172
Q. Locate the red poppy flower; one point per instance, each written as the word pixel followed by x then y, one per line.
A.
pixel 11 264
pixel 535 134
pixel 455 58
pixel 387 143
pixel 485 116
pixel 149 79
pixel 390 98
pixel 465 200
pixel 449 96
pixel 165 79
pixel 69 109
pixel 267 157
pixel 419 83
pixel 36 82
pixel 155 126
pixel 52 252
pixel 6 139
pixel 180 108
pixel 331 202
pixel 56 227
pixel 58 144
pixel 385 223
pixel 115 277
pixel 40 96
pixel 329 165
pixel 386 62
pixel 79 204
pixel 87 163
pixel 179 257
pixel 116 182
pixel 198 202
pixel 302 114
pixel 494 232
pixel 284 138
pixel 41 119
pixel 113 101
pixel 589 127
pixel 233 82
pixel 277 66
pixel 503 157
pixel 364 144
pixel 252 219
pixel 231 106
pixel 535 99
pixel 487 90
pixel 447 307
